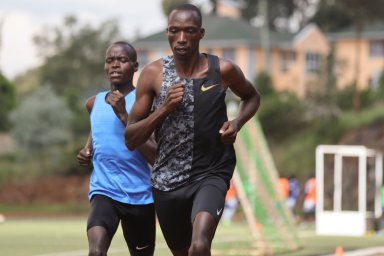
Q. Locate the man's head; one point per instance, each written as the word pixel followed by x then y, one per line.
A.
pixel 185 30
pixel 120 63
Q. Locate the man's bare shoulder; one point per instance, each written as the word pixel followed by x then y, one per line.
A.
pixel 150 76
pixel 89 103
pixel 153 67
pixel 226 65
pixel 231 74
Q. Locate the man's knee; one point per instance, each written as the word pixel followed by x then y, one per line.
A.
pixel 96 251
pixel 201 247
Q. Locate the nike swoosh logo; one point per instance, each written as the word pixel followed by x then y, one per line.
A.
pixel 219 211
pixel 206 88
pixel 141 248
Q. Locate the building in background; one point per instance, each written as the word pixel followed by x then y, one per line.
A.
pixel 295 59
pixel 367 51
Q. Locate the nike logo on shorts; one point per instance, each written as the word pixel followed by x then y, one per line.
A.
pixel 219 211
pixel 139 248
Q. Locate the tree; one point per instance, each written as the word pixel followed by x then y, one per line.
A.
pixel 214 5
pixel 7 101
pixel 279 11
pixel 361 14
pixel 168 5
pixel 73 55
pixel 73 61
pixel 264 84
pixel 40 124
pixel 330 17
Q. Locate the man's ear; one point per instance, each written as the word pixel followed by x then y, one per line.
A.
pixel 136 66
pixel 202 32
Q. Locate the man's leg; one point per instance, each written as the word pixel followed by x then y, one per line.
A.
pixel 98 241
pixel 204 228
pixel 102 225
pixel 207 209
pixel 173 209
pixel 139 229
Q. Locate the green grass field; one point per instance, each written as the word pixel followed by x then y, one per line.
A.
pixel 67 237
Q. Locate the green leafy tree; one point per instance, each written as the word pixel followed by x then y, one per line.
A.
pixel 214 5
pixel 168 5
pixel 73 55
pixel 277 9
pixel 330 17
pixel 41 123
pixel 7 101
pixel 282 110
pixel 264 84
pixel 361 14
pixel 73 60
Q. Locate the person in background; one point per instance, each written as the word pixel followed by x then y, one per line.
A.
pixel 309 203
pixel 283 188
pixel 294 192
pixel 231 204
pixel 119 189
pixel 181 98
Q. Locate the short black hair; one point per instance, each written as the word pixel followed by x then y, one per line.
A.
pixel 190 7
pixel 132 51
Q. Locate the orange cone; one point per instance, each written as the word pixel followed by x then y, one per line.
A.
pixel 339 251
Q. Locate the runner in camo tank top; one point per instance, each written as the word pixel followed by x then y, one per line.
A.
pixel 189 142
pixel 182 99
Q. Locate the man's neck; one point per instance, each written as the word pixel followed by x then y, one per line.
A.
pixel 123 88
pixel 188 67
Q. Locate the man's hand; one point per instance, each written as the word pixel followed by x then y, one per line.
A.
pixel 229 132
pixel 84 156
pixel 174 96
pixel 117 101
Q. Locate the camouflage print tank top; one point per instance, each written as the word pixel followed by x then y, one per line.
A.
pixel 189 145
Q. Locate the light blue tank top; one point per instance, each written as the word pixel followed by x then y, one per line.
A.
pixel 118 173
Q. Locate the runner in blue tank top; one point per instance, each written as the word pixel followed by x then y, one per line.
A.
pixel 119 188
pixel 182 99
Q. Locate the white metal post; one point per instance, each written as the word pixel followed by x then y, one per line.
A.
pixel 379 183
pixel 337 179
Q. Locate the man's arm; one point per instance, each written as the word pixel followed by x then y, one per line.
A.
pixel 141 124
pixel 117 101
pixel 233 78
pixel 85 154
pixel 148 150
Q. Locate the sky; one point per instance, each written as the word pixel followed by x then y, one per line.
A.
pixel 24 18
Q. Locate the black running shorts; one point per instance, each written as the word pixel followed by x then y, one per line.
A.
pixel 138 222
pixel 177 209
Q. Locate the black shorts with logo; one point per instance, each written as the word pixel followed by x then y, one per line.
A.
pixel 138 222
pixel 177 209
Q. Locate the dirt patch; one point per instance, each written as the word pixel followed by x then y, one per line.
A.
pixel 54 190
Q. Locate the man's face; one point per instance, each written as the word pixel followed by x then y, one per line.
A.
pixel 118 64
pixel 184 33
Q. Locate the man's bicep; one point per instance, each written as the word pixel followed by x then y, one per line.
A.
pixel 146 91
pixel 89 103
pixel 143 103
pixel 234 78
pixel 140 109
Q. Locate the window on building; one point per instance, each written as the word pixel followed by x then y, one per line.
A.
pixel 312 63
pixel 376 48
pixel 374 81
pixel 229 53
pixel 287 58
pixel 142 58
